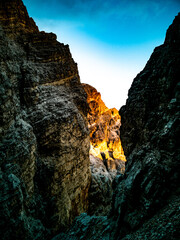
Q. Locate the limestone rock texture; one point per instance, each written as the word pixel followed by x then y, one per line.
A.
pixel 44 137
pixel 145 202
pixel 107 158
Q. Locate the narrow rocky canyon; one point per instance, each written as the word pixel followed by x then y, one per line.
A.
pixel 63 170
pixel 146 199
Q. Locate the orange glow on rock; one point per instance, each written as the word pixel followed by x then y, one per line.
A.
pixel 104 125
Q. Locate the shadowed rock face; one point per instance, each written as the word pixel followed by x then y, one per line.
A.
pixel 145 203
pixel 150 132
pixel 44 138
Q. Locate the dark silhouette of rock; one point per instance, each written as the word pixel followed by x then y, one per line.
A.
pixel 44 138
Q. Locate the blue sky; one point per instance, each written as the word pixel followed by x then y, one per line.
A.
pixel 111 40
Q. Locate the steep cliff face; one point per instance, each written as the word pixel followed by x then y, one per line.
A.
pixel 146 202
pixel 104 124
pixel 106 154
pixel 44 137
pixel 150 132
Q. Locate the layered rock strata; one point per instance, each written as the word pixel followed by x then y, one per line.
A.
pixel 145 203
pixel 106 153
pixel 44 138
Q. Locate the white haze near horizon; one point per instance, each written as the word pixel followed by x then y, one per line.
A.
pixel 109 69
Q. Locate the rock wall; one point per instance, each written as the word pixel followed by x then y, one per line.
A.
pixel 150 132
pixel 145 203
pixel 106 153
pixel 44 138
pixel 104 124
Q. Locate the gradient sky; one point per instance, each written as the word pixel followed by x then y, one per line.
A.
pixel 111 40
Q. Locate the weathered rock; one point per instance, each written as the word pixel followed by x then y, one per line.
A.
pixel 104 124
pixel 106 154
pixel 86 227
pixel 150 132
pixel 44 138
pixel 14 17
pixel 163 225
pixel 145 202
pixel 100 192
pixel 44 141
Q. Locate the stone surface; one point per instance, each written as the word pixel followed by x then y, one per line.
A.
pixel 86 227
pixel 150 132
pixel 100 191
pixel 44 137
pixel 104 124
pixel 14 17
pixel 145 202
pixel 106 154
pixel 163 225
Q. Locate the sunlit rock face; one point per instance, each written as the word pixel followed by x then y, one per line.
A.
pixel 104 125
pixel 106 154
pixel 44 137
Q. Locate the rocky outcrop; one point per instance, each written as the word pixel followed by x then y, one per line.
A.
pixel 150 132
pixel 145 203
pixel 106 154
pixel 44 138
pixel 14 17
pixel 104 124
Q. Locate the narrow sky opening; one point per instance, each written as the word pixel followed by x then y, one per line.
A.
pixel 111 40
